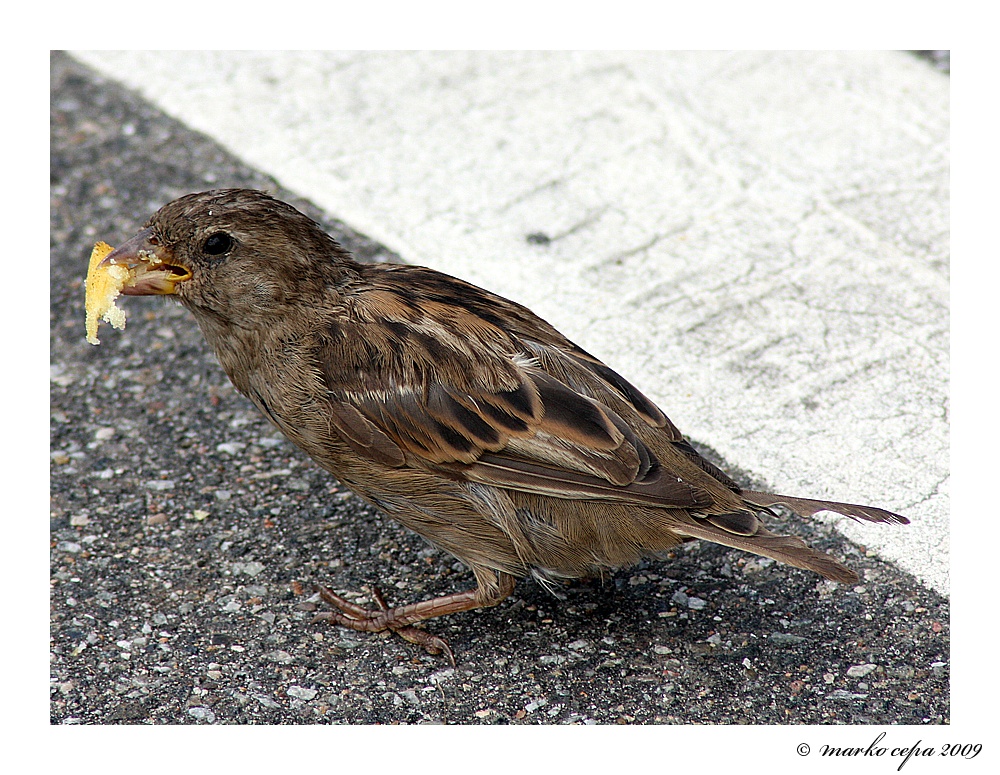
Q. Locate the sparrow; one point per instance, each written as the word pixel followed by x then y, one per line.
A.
pixel 460 414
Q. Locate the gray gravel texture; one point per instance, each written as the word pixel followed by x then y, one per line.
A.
pixel 186 535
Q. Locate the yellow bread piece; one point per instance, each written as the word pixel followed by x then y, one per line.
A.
pixel 104 284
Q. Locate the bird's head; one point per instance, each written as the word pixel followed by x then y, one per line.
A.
pixel 237 255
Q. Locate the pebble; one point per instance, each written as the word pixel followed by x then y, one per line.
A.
pixel 265 700
pixel 785 639
pixel 757 564
pixel 249 568
pixel 860 671
pixel 230 447
pixel 159 484
pixel 441 675
pixel 301 692
pixel 60 376
pixel 201 713
pixel 843 694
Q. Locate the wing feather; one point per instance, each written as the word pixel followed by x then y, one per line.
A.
pixel 510 402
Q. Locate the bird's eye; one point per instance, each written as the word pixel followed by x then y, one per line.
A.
pixel 218 243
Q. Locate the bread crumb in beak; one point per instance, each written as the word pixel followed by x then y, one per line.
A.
pixel 104 284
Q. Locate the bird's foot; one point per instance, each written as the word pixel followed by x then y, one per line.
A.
pixel 355 617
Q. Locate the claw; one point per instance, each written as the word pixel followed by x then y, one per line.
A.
pixel 401 619
pixel 354 617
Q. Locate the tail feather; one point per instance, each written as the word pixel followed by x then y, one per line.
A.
pixel 786 549
pixel 806 507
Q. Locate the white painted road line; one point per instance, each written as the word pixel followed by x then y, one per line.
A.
pixel 758 240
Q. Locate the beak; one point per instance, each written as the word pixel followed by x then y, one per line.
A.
pixel 156 270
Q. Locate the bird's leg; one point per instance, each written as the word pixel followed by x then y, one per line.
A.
pixel 400 619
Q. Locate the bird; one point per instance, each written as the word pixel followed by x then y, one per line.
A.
pixel 458 413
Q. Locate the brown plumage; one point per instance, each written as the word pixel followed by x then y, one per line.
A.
pixel 458 413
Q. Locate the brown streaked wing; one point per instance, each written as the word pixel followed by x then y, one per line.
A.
pixel 649 411
pixel 363 436
pixel 530 431
pixel 529 476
